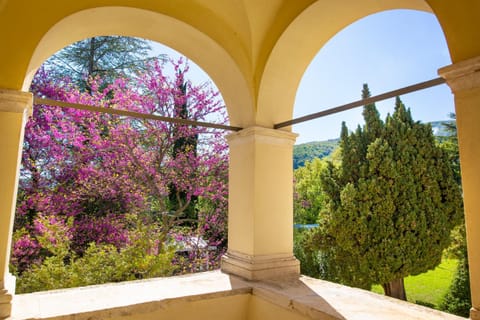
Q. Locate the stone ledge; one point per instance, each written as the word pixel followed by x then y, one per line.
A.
pixel 208 292
pixel 115 299
pixel 318 299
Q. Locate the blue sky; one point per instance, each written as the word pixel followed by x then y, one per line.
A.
pixel 387 50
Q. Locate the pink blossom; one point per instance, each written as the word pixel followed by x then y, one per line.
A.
pixel 96 168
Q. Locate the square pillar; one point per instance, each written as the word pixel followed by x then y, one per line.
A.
pixel 464 80
pixel 15 108
pixel 260 211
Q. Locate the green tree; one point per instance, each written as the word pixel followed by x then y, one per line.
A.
pixel 391 204
pixel 307 204
pixel 308 194
pixel 458 299
pixel 309 256
pixel 450 144
pixel 107 57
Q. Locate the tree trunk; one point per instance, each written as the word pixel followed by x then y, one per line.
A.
pixel 91 58
pixel 395 289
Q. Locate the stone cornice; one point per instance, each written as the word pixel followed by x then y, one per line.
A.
pixel 16 101
pixel 262 135
pixel 463 75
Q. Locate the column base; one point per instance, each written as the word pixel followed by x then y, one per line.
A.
pixel 6 294
pixel 474 314
pixel 261 267
pixel 5 304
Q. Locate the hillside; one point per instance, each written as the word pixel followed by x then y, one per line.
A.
pixel 311 150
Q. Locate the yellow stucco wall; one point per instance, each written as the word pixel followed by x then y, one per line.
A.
pixel 260 309
pixel 233 307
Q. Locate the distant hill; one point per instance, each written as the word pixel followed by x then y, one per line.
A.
pixel 321 149
pixel 311 150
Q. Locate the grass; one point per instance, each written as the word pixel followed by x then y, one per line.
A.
pixel 430 287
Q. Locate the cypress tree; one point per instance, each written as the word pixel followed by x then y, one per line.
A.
pixel 391 204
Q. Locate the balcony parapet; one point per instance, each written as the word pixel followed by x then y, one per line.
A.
pixel 216 295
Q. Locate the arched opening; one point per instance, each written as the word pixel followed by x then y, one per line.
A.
pixel 300 42
pixel 263 50
pixel 387 50
pixel 141 197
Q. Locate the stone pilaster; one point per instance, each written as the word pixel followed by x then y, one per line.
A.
pixel 15 108
pixel 464 80
pixel 260 218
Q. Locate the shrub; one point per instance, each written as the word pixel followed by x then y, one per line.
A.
pixel 458 299
pixel 308 257
pixel 143 257
pixel 99 264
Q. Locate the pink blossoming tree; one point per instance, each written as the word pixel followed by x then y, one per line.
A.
pixel 88 173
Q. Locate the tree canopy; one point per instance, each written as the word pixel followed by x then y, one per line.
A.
pixel 106 57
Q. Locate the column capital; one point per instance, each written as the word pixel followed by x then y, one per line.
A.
pixel 463 75
pixel 16 101
pixel 262 135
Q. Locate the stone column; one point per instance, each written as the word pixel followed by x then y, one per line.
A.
pixel 260 217
pixel 464 80
pixel 15 108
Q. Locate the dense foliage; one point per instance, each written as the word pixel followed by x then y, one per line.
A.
pixel 90 181
pixel 391 204
pixel 99 263
pixel 458 298
pixel 308 197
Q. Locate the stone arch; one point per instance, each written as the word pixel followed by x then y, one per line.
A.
pixel 301 41
pixel 200 48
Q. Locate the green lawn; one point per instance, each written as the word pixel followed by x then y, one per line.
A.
pixel 428 288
